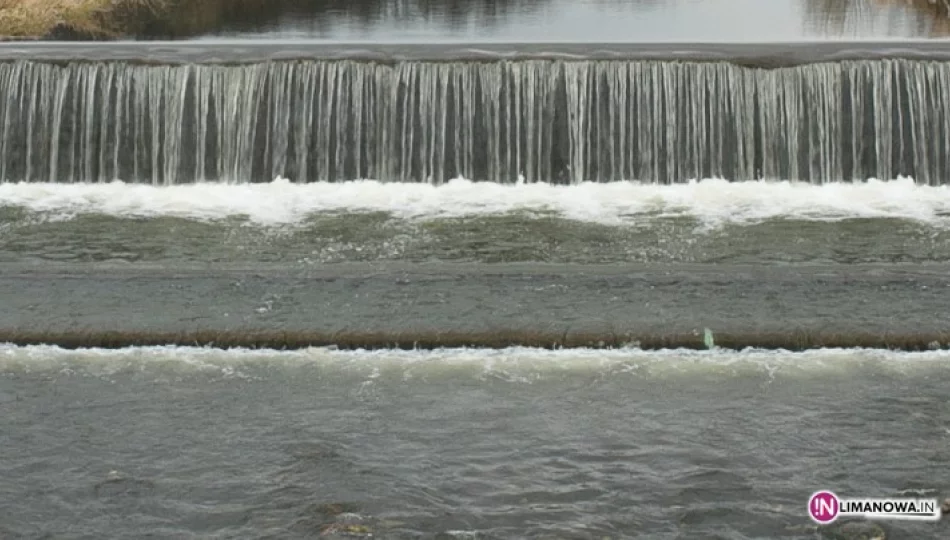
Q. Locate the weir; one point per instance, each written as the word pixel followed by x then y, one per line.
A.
pixel 545 118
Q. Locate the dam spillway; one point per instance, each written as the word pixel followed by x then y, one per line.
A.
pixel 648 114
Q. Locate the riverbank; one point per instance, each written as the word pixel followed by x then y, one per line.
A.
pixel 45 18
pixel 118 19
pixel 75 19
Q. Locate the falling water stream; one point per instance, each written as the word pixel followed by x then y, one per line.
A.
pixel 556 121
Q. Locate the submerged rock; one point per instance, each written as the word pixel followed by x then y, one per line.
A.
pixel 336 508
pixel 345 529
pixel 117 484
pixel 854 530
pixel 338 520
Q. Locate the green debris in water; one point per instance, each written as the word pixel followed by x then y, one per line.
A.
pixel 345 529
pixel 708 339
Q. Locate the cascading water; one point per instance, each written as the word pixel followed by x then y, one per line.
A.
pixel 428 121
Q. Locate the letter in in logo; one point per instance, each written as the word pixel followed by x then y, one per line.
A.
pixel 823 507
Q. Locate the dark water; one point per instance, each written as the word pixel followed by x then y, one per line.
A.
pixel 190 443
pixel 611 300
pixel 504 238
pixel 586 20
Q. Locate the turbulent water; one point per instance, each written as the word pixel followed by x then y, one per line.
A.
pixel 746 257
pixel 196 199
pixel 194 443
pixel 464 221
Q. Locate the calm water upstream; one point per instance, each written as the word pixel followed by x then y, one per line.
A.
pixel 584 20
pixel 289 181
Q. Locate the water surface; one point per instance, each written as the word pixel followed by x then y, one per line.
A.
pixel 514 443
pixel 587 20
pixel 613 258
pixel 192 443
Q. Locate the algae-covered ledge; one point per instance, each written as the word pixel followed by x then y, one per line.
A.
pixel 118 19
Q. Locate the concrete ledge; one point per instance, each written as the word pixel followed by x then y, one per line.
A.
pixel 776 54
pixel 763 55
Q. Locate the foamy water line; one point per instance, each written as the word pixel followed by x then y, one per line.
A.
pixel 282 202
pixel 46 357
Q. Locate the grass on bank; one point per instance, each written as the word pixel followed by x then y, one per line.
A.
pixel 83 19
pixel 290 340
pixel 37 18
pixel 116 19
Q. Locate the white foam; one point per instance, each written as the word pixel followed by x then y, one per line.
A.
pixel 516 363
pixel 279 202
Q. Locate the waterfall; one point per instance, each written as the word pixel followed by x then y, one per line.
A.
pixel 556 121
